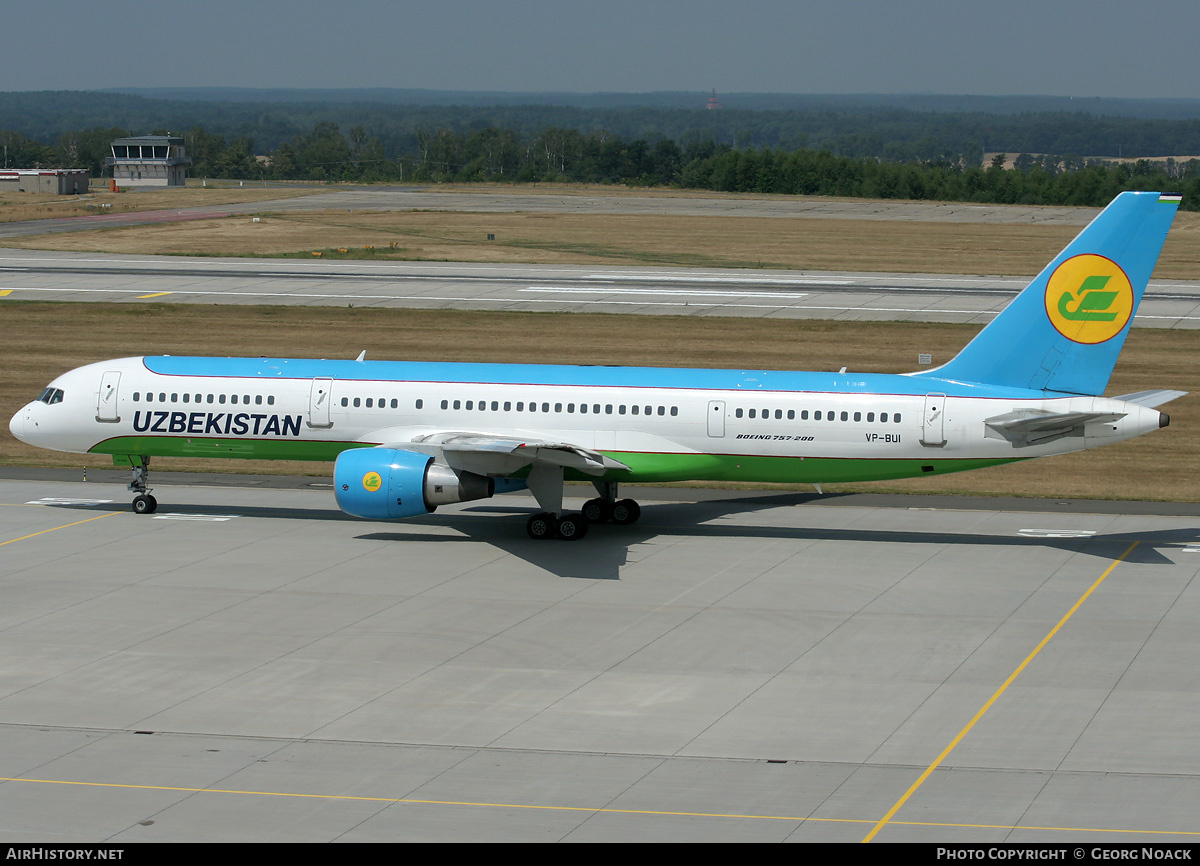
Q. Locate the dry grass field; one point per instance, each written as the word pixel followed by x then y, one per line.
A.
pixel 41 340
pixel 22 206
pixel 733 242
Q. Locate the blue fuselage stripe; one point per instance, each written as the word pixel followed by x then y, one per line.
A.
pixel 737 381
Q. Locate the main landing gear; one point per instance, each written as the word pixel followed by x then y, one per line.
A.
pixel 551 523
pixel 143 503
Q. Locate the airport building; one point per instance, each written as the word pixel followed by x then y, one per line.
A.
pixel 56 181
pixel 149 160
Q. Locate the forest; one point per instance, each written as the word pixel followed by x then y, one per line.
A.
pixel 850 147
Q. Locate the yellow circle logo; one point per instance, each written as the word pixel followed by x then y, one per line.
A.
pixel 1089 299
pixel 372 482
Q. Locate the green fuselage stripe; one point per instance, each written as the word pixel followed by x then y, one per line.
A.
pixel 642 466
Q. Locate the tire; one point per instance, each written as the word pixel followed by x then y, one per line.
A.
pixel 625 512
pixel 541 526
pixel 572 527
pixel 596 511
pixel 144 504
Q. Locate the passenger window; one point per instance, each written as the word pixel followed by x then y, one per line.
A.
pixel 870 416
pixel 778 414
pixel 545 407
pixel 507 406
pixel 858 416
pixel 817 415
pixel 753 413
pixel 635 411
pixel 845 416
pixel 174 398
pixel 270 399
pixel 803 414
pixel 896 418
pixel 558 407
pixel 608 408
pixel 674 410
pixel 420 404
pixel 470 404
pixel 791 414
pixel 457 404
pixel 595 408
pixel 520 406
pixel 621 409
pixel 495 405
pixel 210 398
pixel 445 404
pixel 737 413
pixel 162 398
pixel 358 402
pixel 883 416
pixel 370 403
pixel 135 396
pixel 258 400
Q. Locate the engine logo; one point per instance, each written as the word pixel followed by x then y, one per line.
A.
pixel 372 482
pixel 1089 299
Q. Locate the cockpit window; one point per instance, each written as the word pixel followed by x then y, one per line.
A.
pixel 51 395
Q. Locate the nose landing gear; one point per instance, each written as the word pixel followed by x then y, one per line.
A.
pixel 143 503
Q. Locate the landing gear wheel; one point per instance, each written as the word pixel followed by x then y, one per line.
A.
pixel 597 511
pixel 542 526
pixel 625 512
pixel 572 527
pixel 144 504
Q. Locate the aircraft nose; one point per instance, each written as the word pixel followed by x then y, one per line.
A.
pixel 17 425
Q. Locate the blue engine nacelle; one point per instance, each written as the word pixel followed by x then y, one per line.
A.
pixel 387 484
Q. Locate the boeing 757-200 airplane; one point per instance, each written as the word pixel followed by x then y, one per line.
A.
pixel 408 437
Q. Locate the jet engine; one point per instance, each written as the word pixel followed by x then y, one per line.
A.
pixel 386 484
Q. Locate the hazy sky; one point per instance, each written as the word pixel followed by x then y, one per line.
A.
pixel 1034 47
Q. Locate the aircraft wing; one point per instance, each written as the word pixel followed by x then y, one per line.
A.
pixel 486 454
pixel 1032 426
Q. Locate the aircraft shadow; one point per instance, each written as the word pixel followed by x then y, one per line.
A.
pixel 605 550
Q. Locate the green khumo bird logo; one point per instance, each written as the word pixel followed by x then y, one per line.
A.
pixel 1091 304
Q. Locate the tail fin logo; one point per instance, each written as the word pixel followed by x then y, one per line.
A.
pixel 1089 299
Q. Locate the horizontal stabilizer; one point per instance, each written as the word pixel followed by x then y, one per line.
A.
pixel 1033 426
pixel 1150 399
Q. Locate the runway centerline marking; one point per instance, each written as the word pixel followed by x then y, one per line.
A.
pixel 886 819
pixel 728 293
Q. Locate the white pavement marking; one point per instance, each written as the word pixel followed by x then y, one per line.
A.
pixel 730 293
pixel 56 500
pixel 1058 533
pixel 212 518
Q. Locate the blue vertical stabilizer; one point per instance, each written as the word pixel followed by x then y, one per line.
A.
pixel 1064 331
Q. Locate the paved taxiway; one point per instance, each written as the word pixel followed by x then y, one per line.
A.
pixel 93 277
pixel 249 664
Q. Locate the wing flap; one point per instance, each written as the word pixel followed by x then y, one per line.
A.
pixel 486 454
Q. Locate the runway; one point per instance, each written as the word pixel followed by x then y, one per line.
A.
pixel 101 278
pixel 251 665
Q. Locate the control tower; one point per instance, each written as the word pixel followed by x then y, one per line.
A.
pixel 149 160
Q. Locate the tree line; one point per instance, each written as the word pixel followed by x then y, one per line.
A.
pixel 565 154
